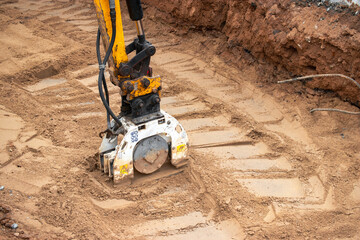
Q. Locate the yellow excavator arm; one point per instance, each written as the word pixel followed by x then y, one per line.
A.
pixel 105 25
pixel 134 76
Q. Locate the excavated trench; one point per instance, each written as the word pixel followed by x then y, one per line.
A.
pixel 261 166
pixel 283 38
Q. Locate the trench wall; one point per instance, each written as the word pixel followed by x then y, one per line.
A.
pixel 302 37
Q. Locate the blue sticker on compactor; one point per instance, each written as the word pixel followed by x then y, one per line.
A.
pixel 134 136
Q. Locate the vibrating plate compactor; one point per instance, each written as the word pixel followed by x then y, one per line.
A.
pixel 142 135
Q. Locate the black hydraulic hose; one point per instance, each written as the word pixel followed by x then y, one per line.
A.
pixel 101 79
pixel 99 60
pixel 107 100
pixel 98 46
pixel 106 105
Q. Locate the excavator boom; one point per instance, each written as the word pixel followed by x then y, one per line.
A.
pixel 105 26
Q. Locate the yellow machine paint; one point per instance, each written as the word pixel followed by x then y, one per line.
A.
pixel 139 88
pixel 103 15
pixel 119 53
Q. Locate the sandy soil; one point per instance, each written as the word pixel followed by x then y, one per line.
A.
pixel 262 166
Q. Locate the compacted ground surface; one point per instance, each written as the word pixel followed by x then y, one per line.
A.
pixel 261 166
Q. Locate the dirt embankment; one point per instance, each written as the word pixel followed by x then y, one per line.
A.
pixel 290 38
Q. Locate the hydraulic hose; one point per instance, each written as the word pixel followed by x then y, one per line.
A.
pixel 101 79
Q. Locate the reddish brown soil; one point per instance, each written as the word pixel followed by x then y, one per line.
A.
pixel 285 38
pixel 261 166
